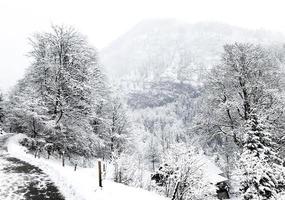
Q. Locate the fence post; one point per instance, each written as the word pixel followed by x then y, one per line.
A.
pixel 63 163
pixel 100 173
pixel 104 170
pixel 36 154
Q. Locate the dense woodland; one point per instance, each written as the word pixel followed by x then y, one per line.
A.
pixel 156 135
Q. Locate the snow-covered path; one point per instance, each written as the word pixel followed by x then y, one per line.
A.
pixel 81 184
pixel 22 181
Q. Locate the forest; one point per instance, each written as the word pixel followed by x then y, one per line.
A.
pixel 166 116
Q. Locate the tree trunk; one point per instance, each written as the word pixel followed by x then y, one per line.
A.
pixel 175 191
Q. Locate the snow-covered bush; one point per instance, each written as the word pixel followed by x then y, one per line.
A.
pixel 130 169
pixel 181 176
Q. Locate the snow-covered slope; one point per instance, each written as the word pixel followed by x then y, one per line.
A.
pixel 169 49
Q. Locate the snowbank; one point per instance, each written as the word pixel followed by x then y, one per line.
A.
pixel 81 184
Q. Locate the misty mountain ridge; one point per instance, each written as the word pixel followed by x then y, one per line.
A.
pixel 171 50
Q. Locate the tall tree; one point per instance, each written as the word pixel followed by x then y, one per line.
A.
pixel 247 83
pixel 59 90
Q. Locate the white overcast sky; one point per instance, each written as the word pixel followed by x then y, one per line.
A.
pixel 104 20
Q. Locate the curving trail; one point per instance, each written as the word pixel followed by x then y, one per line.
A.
pixel 22 181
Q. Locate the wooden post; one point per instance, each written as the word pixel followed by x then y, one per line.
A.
pixel 104 167
pixel 104 170
pixel 100 173
pixel 63 159
pixel 120 176
pixel 75 167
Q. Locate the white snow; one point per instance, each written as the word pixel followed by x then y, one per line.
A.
pixel 210 170
pixel 81 184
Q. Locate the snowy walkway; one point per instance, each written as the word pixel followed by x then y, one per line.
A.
pixel 22 181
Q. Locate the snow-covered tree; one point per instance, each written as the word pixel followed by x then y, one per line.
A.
pixel 61 74
pixel 261 170
pixel 57 98
pixel 25 112
pixel 2 115
pixel 118 132
pixel 152 151
pixel 247 83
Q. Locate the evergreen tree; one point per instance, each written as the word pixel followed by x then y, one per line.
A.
pixel 261 171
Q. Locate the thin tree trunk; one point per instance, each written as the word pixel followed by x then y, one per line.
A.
pixel 175 191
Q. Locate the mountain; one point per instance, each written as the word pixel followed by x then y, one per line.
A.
pixel 171 50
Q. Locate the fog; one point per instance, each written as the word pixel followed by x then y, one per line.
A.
pixel 104 21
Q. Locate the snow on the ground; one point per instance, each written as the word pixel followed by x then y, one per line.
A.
pixel 14 182
pixel 81 184
pixel 210 170
pixel 9 182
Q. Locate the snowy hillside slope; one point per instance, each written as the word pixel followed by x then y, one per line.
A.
pixel 173 50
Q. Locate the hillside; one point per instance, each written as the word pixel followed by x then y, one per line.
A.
pixel 173 50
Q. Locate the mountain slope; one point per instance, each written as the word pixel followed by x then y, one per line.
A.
pixel 173 50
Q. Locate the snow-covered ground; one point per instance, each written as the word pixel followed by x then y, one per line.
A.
pixel 81 184
pixel 21 180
